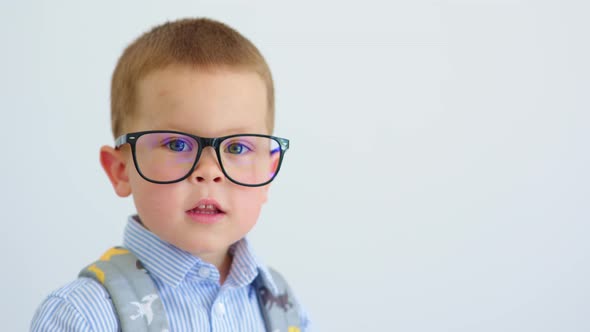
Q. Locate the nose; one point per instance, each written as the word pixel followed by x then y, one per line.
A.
pixel 208 168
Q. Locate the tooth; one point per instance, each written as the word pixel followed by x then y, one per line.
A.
pixel 210 206
pixel 202 206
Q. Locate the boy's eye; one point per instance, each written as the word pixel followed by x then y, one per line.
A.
pixel 177 145
pixel 236 148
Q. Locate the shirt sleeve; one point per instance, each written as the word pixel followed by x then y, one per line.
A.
pixel 80 306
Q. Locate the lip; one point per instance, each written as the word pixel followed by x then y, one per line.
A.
pixel 203 218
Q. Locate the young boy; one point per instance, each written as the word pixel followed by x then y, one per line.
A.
pixel 173 89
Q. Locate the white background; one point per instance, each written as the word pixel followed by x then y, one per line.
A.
pixel 438 175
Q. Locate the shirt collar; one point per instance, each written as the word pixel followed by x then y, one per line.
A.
pixel 246 267
pixel 172 265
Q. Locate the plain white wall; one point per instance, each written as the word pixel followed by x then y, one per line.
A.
pixel 438 176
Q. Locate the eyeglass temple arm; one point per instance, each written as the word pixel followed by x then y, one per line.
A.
pixel 120 140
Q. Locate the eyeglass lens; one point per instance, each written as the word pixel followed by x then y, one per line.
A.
pixel 167 157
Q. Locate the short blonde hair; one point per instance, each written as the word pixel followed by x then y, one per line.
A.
pixel 198 42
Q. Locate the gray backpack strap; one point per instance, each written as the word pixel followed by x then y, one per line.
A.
pixel 280 312
pixel 134 294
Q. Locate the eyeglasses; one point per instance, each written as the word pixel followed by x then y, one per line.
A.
pixel 163 156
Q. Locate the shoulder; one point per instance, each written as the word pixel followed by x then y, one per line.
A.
pixel 81 305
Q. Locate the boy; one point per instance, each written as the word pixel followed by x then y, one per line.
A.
pixel 173 89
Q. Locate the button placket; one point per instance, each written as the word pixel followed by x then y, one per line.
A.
pixel 220 308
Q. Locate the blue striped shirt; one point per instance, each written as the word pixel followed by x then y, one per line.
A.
pixel 189 289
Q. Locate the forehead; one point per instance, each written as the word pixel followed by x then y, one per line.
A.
pixel 212 102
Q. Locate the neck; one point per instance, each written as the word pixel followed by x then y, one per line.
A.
pixel 224 268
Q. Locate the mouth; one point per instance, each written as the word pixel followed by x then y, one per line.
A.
pixel 206 211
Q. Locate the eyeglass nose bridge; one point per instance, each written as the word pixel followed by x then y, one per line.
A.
pixel 205 142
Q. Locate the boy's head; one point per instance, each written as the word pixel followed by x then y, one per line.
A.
pixel 201 78
pixel 202 43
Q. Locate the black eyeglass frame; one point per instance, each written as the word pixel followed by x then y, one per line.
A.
pixel 214 142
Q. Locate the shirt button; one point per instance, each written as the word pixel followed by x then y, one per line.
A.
pixel 220 308
pixel 204 272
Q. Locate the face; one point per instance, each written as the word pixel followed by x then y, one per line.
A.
pixel 207 104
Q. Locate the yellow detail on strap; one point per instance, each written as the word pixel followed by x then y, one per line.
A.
pixel 99 273
pixel 113 252
pixel 294 329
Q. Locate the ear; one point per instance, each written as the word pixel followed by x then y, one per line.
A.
pixel 116 165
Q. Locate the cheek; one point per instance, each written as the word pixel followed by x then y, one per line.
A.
pixel 152 199
pixel 249 203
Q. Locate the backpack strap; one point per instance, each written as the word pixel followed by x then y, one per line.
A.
pixel 280 312
pixel 133 292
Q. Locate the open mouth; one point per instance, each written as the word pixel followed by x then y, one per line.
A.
pixel 205 209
